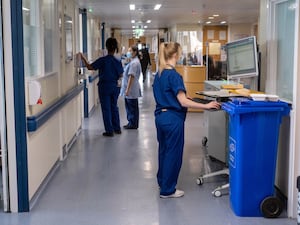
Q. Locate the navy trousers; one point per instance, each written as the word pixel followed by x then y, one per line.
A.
pixel 132 110
pixel 170 136
pixel 109 106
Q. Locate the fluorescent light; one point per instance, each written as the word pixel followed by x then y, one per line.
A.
pixel 211 17
pixel 26 9
pixel 208 22
pixel 132 21
pixel 148 21
pixel 132 6
pixel 223 22
pixel 216 15
pixel 157 6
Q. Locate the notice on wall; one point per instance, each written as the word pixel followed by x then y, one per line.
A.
pixel 214 48
pixel 210 34
pixel 222 35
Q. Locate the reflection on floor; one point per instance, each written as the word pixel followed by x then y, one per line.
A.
pixel 112 180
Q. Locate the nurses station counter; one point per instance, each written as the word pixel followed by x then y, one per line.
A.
pixel 193 78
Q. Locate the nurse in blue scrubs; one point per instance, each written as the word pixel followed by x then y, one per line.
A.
pixel 110 71
pixel 170 113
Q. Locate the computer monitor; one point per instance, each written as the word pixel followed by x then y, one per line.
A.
pixel 242 58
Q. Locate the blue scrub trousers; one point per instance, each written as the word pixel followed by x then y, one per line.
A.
pixel 170 136
pixel 132 110
pixel 109 106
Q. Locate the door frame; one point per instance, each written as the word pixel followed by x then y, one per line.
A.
pixel 294 130
pixel 3 140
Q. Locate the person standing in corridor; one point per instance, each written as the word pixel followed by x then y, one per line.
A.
pixel 170 113
pixel 110 71
pixel 131 89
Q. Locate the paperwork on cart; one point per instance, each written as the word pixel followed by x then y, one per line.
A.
pixel 223 95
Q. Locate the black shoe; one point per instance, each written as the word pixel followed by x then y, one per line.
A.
pixel 128 127
pixel 118 132
pixel 108 134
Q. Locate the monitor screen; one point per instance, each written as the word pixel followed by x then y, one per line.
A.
pixel 242 58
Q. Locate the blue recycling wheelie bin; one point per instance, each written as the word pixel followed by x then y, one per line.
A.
pixel 252 153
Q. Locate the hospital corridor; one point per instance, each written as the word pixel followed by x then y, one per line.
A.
pixel 112 180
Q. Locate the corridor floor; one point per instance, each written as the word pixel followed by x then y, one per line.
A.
pixel 112 180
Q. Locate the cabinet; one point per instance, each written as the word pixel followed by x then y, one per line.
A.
pixel 153 62
pixel 193 78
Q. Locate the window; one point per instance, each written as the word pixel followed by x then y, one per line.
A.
pixel 191 43
pixel 40 37
pixel 50 26
pixel 32 30
pixel 281 50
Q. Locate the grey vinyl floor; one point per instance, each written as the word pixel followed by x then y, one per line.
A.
pixel 112 180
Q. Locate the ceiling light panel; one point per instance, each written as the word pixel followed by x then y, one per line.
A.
pixel 157 6
pixel 132 6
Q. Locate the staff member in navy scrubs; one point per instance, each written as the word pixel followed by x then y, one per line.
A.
pixel 170 113
pixel 110 70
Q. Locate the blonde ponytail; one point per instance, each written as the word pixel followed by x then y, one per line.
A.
pixel 161 58
pixel 166 51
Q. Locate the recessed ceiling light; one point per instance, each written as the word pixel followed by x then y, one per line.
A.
pixel 148 21
pixel 208 22
pixel 133 27
pixel 223 22
pixel 216 15
pixel 211 17
pixel 145 27
pixel 90 10
pixel 132 6
pixel 132 21
pixel 157 6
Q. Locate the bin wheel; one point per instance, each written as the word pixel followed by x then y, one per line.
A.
pixel 217 193
pixel 271 207
pixel 199 180
pixel 204 141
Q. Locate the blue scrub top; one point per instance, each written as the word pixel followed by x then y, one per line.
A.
pixel 110 69
pixel 166 86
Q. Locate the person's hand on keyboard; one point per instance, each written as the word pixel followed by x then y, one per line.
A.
pixel 213 105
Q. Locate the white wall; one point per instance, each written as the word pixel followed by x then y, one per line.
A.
pixel 45 146
pixel 238 31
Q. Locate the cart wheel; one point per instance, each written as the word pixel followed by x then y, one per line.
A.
pixel 217 193
pixel 199 180
pixel 204 141
pixel 213 159
pixel 271 207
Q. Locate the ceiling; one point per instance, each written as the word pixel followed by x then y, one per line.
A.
pixel 116 13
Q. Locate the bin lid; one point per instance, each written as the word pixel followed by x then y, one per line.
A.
pixel 243 105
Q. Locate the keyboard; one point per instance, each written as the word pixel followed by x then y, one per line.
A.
pixel 201 100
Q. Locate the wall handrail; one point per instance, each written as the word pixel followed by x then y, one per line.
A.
pixel 34 122
pixel 93 78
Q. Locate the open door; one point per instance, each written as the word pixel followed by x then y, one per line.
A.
pixel 4 196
